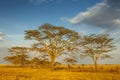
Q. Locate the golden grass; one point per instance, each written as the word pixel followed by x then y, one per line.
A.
pixel 105 72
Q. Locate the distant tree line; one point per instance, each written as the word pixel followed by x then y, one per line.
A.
pixel 52 41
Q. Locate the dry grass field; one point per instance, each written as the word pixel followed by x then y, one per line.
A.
pixel 86 72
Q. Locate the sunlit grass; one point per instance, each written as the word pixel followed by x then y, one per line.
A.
pixel 105 72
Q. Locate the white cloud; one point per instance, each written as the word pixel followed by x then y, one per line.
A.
pixel 1 33
pixel 88 14
pixel 104 15
pixel 64 19
pixel 15 40
pixel 116 22
pixel 15 36
pixel 1 38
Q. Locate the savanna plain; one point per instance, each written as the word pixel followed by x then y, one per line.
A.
pixel 63 72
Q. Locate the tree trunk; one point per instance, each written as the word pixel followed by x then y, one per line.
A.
pixel 52 61
pixel 95 63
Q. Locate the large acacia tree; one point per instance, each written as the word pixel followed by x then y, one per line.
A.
pixel 53 40
pixel 96 47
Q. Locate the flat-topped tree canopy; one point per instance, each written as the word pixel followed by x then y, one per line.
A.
pixel 54 39
pixel 19 50
pixel 96 46
pixel 18 55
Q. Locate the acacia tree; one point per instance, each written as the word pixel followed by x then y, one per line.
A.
pixel 39 61
pixel 17 59
pixel 18 56
pixel 53 40
pixel 96 46
pixel 70 61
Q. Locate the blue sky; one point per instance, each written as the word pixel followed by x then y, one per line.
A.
pixel 16 16
pixel 24 14
pixel 83 16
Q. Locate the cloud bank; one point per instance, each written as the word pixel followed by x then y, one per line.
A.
pixel 105 15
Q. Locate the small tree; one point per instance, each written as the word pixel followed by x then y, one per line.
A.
pixel 39 61
pixel 96 46
pixel 70 60
pixel 35 61
pixel 53 40
pixel 17 59
pixel 18 56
